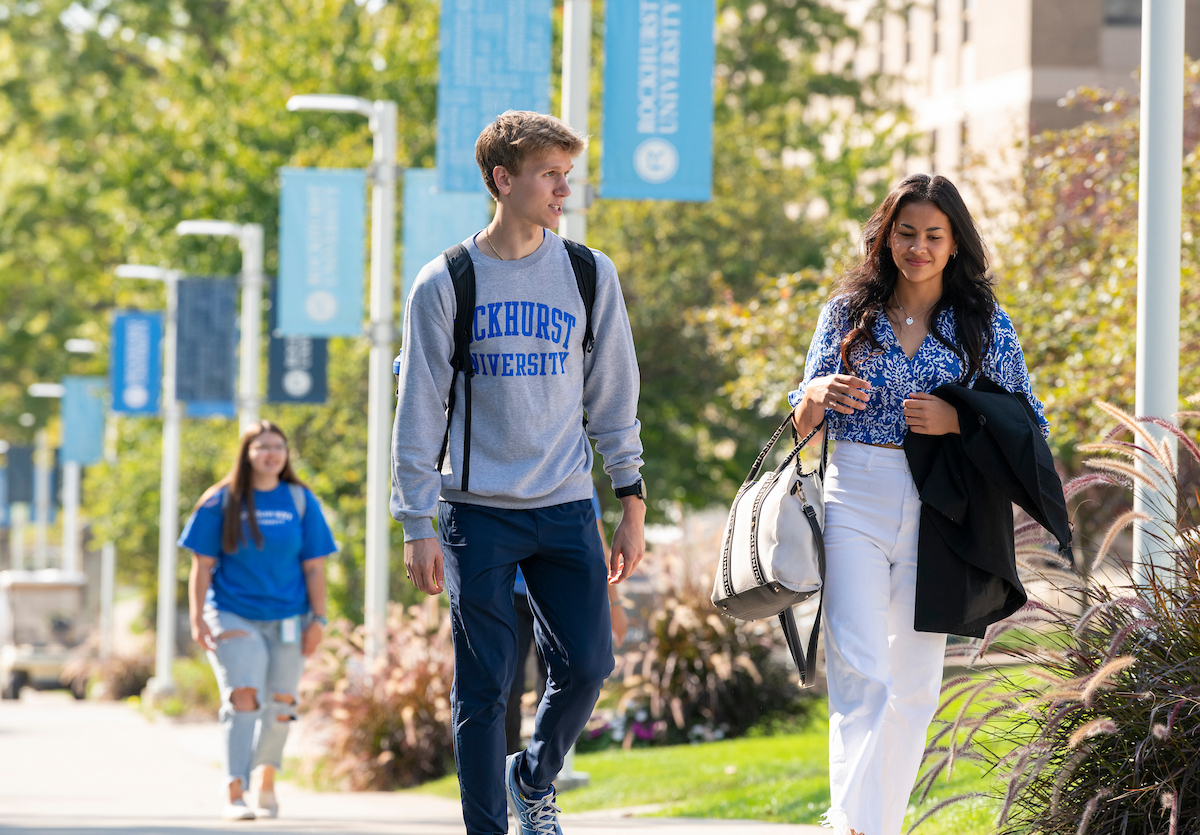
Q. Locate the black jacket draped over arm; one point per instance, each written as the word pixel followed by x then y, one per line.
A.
pixel 966 559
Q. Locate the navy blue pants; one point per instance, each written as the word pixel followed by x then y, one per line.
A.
pixel 559 551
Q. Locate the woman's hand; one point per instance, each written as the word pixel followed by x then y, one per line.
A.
pixel 312 638
pixel 840 392
pixel 202 635
pixel 929 415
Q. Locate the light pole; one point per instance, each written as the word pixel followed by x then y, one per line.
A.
pixel 250 239
pixel 43 468
pixel 1160 207
pixel 576 79
pixel 381 119
pixel 168 512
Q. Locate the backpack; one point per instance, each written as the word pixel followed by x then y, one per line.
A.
pixel 299 499
pixel 462 274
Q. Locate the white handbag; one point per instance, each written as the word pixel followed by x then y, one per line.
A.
pixel 773 553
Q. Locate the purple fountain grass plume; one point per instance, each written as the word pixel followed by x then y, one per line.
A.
pixel 1085 482
pixel 1124 633
pixel 958 798
pixel 1119 524
pixel 1101 677
pixel 1065 772
pixel 1159 482
pixel 1184 439
pixel 1091 808
pixel 1127 419
pixel 1096 727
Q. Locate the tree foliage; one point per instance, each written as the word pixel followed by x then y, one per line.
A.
pixel 1065 265
pixel 119 118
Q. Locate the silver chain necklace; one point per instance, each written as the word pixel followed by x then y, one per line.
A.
pixel 908 320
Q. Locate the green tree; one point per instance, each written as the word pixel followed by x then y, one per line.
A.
pixel 801 146
pixel 118 118
pixel 1065 268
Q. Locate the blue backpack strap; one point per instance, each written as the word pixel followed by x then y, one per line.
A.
pixel 462 275
pixel 583 263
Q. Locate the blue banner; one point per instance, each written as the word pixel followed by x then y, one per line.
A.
pixel 296 365
pixel 135 362
pixel 83 419
pixel 20 474
pixel 435 219
pixel 206 342
pixel 322 237
pixel 495 56
pixel 658 99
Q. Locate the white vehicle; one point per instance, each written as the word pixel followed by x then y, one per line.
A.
pixel 41 621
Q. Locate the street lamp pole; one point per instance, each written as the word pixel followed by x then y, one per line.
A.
pixel 576 78
pixel 43 470
pixel 1160 207
pixel 168 514
pixel 250 240
pixel 381 118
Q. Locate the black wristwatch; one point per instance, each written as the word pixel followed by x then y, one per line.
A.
pixel 638 488
pixel 321 619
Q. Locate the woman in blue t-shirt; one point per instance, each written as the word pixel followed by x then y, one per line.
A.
pixel 256 596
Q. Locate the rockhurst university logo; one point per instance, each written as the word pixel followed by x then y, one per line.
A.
pixel 523 320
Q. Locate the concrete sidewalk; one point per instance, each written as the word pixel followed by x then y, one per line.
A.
pixel 92 767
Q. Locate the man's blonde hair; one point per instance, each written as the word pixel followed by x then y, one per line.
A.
pixel 519 135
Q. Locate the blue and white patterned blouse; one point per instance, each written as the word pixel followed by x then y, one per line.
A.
pixel 893 376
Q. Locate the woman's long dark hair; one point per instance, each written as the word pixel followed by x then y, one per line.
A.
pixel 966 285
pixel 241 489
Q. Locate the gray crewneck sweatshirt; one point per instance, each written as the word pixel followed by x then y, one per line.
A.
pixel 532 384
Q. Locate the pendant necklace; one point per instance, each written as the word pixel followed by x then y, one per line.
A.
pixel 908 320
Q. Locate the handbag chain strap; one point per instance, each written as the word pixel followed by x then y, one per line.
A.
pixel 799 445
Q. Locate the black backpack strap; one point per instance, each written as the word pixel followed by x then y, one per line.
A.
pixel 462 274
pixel 583 262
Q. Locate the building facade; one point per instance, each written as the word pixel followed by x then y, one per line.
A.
pixel 979 76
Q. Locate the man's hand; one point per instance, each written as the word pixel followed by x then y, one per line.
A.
pixel 929 415
pixel 629 541
pixel 423 564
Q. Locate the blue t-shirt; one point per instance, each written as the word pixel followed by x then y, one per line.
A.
pixel 266 583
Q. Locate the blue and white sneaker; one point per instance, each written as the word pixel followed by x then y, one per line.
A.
pixel 535 815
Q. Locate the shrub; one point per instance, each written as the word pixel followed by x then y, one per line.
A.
pixel 698 675
pixel 1097 733
pixel 387 727
pixel 117 677
pixel 196 694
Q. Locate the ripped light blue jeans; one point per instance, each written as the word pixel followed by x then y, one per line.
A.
pixel 266 657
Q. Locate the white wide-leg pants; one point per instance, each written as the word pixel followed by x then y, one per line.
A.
pixel 884 676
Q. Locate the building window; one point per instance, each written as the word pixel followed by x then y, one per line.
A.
pixel 968 7
pixel 1123 12
pixel 933 149
pixel 962 146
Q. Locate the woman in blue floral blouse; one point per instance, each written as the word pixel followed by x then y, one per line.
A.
pixel 918 312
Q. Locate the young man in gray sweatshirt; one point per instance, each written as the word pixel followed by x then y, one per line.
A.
pixel 528 498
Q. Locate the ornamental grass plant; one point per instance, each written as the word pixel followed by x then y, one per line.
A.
pixel 386 726
pixel 1092 725
pixel 697 675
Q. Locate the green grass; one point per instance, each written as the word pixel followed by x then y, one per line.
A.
pixel 781 779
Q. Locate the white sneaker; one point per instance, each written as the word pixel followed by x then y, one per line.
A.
pixel 265 804
pixel 237 810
